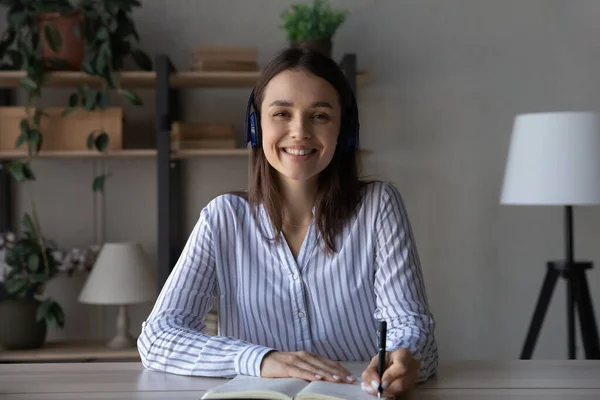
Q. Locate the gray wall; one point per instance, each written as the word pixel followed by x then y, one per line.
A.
pixel 447 79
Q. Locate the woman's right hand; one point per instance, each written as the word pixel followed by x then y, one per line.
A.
pixel 304 365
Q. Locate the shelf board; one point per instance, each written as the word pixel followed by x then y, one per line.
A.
pixel 134 153
pixel 147 79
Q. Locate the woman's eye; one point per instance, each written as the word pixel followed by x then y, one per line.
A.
pixel 321 117
pixel 280 114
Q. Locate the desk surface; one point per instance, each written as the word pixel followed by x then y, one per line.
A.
pixel 464 380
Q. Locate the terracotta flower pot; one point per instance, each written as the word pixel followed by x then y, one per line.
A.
pixel 323 46
pixel 72 49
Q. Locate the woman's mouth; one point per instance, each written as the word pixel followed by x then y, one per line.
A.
pixel 299 154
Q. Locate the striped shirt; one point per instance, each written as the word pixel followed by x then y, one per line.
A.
pixel 325 303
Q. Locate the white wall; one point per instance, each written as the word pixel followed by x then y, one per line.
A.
pixel 447 79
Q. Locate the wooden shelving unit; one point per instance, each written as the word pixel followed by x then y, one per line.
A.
pixel 166 82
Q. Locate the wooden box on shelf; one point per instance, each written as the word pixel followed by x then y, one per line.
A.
pixel 63 133
pixel 196 135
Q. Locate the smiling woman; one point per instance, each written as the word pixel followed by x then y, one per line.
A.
pixel 304 265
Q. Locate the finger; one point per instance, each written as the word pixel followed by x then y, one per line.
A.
pixel 401 384
pixel 401 364
pixel 342 371
pixel 304 370
pixel 328 369
pixel 370 375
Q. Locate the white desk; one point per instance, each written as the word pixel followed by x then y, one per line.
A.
pixel 456 380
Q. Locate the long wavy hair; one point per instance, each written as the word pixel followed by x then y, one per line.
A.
pixel 339 186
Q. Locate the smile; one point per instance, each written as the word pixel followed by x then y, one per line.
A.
pixel 299 152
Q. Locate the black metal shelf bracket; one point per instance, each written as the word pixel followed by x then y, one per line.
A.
pixel 169 173
pixel 7 98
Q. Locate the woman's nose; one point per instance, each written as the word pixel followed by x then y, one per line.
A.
pixel 300 130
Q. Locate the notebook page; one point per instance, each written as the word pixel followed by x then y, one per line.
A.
pixel 344 391
pixel 243 383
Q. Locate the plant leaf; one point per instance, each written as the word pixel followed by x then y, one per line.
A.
pixel 52 36
pixel 29 83
pixel 131 96
pixel 35 140
pixel 43 310
pixel 37 117
pixel 29 225
pixel 33 262
pixel 102 34
pixel 16 286
pixel 102 99
pixel 142 59
pixel 98 184
pixel 102 141
pixel 90 99
pixel 73 101
pixel 87 68
pixel 90 140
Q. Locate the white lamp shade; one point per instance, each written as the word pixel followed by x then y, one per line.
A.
pixel 122 274
pixel 553 159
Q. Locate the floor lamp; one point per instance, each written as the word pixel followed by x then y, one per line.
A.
pixel 554 160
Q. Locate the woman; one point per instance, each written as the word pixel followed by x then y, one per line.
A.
pixel 307 262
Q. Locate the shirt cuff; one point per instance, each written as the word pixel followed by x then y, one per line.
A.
pixel 248 361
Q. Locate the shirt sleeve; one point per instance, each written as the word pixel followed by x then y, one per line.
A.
pixel 172 340
pixel 399 285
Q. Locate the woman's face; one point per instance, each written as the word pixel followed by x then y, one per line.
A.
pixel 300 122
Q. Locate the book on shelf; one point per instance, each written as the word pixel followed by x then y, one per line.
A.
pixel 251 387
pixel 225 59
pixel 200 130
pixel 203 144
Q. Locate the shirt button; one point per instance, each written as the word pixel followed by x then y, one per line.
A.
pixel 301 314
pixel 295 276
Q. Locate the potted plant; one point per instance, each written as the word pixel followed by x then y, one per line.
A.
pixel 312 26
pixel 47 35
pixel 27 263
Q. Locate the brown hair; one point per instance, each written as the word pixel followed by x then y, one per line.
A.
pixel 339 186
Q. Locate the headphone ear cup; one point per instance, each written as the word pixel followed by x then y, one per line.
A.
pixel 253 130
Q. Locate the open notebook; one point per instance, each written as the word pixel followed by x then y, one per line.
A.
pixel 251 387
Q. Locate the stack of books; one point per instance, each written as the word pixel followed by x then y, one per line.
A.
pixel 198 135
pixel 225 59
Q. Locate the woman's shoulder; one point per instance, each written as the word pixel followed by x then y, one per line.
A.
pixel 227 205
pixel 379 191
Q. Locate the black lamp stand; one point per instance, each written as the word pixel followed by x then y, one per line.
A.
pixel 578 299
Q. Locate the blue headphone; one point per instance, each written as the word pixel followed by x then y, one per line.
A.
pixel 347 140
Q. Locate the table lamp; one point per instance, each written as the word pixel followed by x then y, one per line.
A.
pixel 554 160
pixel 121 275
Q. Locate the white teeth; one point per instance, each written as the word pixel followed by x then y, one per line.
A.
pixel 298 152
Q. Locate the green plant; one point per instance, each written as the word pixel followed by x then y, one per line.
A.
pixel 110 36
pixel 31 264
pixel 306 22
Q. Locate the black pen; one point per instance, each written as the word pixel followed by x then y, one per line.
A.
pixel 381 352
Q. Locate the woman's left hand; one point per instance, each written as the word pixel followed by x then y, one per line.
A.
pixel 401 374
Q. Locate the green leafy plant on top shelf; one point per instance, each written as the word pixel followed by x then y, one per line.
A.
pixel 30 264
pixel 317 22
pixel 35 41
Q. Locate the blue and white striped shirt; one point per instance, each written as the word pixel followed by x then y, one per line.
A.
pixel 326 303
